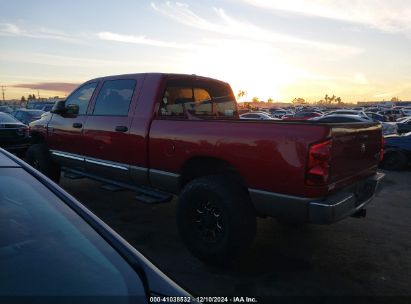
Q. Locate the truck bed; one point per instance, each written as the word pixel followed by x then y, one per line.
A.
pixel 269 155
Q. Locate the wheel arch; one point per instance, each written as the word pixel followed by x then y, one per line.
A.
pixel 200 166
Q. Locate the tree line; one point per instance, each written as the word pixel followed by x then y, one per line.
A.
pixel 327 100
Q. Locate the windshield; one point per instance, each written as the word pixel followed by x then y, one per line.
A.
pixel 47 249
pixel 6 118
pixel 35 113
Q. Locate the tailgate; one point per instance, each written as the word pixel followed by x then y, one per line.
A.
pixel 355 152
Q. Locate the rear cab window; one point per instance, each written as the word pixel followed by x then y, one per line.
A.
pixel 197 99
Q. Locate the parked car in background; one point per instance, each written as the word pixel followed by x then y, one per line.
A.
pixel 6 109
pixel 279 113
pixel 52 246
pixel 376 116
pixel 348 112
pixel 341 118
pixel 27 116
pixel 397 152
pixel 404 126
pixel 402 119
pixel 35 104
pixel 392 114
pixel 373 110
pixel 387 127
pixel 45 107
pixel 302 115
pixel 406 111
pixel 257 116
pixel 14 135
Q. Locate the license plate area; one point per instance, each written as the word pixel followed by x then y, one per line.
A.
pixel 364 191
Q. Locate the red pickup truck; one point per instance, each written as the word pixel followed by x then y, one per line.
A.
pixel 169 134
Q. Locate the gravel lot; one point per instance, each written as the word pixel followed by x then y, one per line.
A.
pixel 355 257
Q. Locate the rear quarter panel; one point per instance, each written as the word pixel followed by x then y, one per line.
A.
pixel 269 156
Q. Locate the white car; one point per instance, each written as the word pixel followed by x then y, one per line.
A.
pixel 279 113
pixel 407 111
pixel 392 113
pixel 402 119
pixel 348 112
pixel 389 127
pixel 257 116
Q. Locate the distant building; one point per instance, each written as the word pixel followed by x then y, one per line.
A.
pixel 384 103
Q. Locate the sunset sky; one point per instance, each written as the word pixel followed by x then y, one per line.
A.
pixel 359 50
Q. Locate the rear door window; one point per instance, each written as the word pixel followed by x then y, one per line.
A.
pixel 115 97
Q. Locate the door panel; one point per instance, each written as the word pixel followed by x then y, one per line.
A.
pixel 65 132
pixel 107 130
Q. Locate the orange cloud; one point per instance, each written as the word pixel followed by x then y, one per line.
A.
pixel 64 87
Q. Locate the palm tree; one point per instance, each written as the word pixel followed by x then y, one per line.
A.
pixel 240 94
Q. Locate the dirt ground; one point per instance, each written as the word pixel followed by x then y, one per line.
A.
pixel 355 257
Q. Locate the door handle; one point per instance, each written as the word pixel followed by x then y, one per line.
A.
pixel 121 129
pixel 77 125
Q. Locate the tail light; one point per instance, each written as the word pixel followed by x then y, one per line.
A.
pixel 382 148
pixel 318 166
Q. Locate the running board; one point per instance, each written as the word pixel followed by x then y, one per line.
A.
pixel 112 188
pixel 145 194
pixel 72 175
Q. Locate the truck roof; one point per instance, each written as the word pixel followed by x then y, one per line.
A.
pixel 160 75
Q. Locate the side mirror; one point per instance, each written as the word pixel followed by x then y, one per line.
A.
pixel 59 107
pixel 72 109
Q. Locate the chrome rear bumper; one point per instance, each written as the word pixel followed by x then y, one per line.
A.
pixel 333 208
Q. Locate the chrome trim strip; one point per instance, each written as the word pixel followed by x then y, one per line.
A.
pixel 139 169
pixel 67 155
pixel 350 196
pixel 89 160
pixel 275 195
pixel 106 164
pixel 139 175
pixel 169 174
pixel 164 180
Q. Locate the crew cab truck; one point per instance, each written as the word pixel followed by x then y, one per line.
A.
pixel 170 134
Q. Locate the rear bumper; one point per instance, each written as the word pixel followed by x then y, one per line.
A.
pixel 319 211
pixel 344 203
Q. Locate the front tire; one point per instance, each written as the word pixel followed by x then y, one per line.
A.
pixel 215 218
pixel 38 156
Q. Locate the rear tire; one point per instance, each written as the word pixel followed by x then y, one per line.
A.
pixel 394 161
pixel 38 156
pixel 215 218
